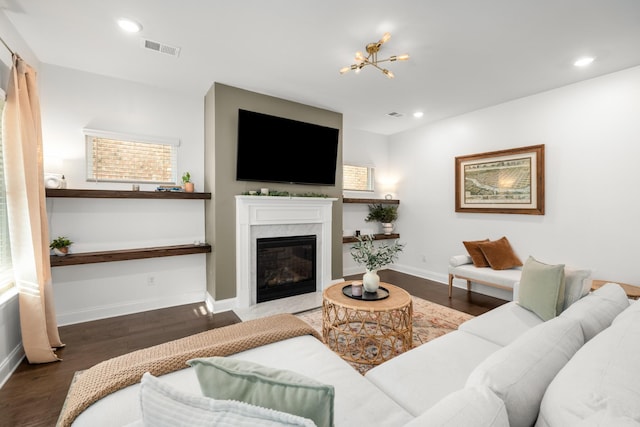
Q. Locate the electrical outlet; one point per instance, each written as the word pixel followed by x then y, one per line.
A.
pixel 424 258
pixel 151 281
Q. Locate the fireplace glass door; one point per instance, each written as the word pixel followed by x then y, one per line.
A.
pixel 286 266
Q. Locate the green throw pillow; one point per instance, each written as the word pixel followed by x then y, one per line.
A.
pixel 286 391
pixel 542 288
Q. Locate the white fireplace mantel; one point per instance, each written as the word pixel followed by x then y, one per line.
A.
pixel 272 216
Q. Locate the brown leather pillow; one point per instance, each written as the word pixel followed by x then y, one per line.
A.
pixel 475 253
pixel 499 254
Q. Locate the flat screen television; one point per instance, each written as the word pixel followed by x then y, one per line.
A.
pixel 275 149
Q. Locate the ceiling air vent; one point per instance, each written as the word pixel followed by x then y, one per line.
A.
pixel 394 114
pixel 161 47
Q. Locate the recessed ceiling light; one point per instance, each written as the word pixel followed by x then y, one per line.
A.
pixel 418 114
pixel 584 61
pixel 129 25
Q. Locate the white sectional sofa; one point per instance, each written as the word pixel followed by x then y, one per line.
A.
pixel 506 367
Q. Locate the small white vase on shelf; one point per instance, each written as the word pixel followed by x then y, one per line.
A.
pixel 387 227
pixel 371 281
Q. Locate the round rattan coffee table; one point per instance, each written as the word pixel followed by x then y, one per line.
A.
pixel 367 331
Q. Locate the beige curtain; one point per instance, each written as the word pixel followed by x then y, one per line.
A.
pixel 26 206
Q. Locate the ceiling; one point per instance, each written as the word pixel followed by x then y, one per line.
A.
pixel 465 54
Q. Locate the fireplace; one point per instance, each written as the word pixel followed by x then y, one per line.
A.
pixel 267 217
pixel 286 266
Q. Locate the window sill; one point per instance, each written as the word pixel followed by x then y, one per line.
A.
pixel 8 295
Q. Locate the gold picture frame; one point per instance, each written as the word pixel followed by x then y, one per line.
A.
pixel 506 181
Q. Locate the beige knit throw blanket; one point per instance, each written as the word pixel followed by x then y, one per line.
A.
pixel 113 374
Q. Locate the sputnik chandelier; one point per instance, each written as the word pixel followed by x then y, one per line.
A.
pixel 372 58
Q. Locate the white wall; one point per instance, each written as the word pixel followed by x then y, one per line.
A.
pixel 363 148
pixel 72 100
pixel 590 131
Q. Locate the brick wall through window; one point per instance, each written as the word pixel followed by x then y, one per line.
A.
pixel 357 178
pixel 121 160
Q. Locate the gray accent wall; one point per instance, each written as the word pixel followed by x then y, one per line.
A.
pixel 221 120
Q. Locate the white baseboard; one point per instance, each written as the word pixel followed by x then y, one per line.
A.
pixel 231 303
pixel 10 363
pixel 128 307
pixel 221 305
pixel 425 274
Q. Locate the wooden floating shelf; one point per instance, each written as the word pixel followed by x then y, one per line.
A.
pixel 353 239
pixel 124 194
pixel 128 254
pixel 371 201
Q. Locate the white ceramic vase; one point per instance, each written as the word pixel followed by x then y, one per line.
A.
pixel 387 227
pixel 371 281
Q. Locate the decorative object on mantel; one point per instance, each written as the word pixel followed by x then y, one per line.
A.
pixel 170 188
pixel 384 214
pixel 374 257
pixel 506 181
pixel 276 193
pixel 60 246
pixel 54 180
pixel 189 187
pixel 372 58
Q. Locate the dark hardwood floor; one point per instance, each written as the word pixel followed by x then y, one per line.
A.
pixel 34 394
pixel 468 302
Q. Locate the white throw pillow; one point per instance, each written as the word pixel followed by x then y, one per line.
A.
pixel 469 407
pixel 520 372
pixel 164 406
pixel 596 311
pixel 577 283
pixel 458 260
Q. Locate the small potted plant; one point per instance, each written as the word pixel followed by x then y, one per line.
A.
pixel 374 257
pixel 189 187
pixel 384 214
pixel 60 246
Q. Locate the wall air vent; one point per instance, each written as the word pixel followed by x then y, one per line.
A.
pixel 161 47
pixel 394 114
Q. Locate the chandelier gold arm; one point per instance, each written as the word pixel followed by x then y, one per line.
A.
pixel 372 58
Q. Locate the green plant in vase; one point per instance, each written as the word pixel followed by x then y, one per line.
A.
pixel 374 257
pixel 189 187
pixel 384 214
pixel 60 246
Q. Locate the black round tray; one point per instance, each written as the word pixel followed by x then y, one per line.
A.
pixel 381 293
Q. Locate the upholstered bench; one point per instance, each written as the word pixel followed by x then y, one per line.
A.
pixel 461 267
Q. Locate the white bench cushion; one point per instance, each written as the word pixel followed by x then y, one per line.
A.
pixel 504 278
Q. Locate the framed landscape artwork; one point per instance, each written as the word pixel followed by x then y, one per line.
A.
pixel 506 181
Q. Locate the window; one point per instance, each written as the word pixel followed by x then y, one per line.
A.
pixel 116 157
pixel 357 178
pixel 6 273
